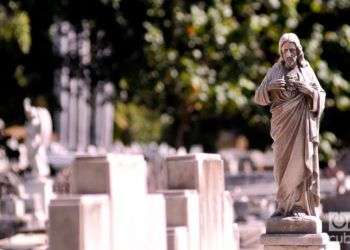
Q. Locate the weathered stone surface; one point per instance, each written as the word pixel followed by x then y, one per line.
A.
pixel 236 237
pixel 204 173
pixel 90 175
pixel 294 248
pixel 42 187
pixel 124 178
pixel 128 192
pixel 289 118
pixel 321 239
pixel 329 246
pixel 79 222
pixel 183 171
pixel 156 223
pixel 177 238
pixel 297 225
pixel 39 192
pixel 229 237
pixel 182 209
pixel 250 233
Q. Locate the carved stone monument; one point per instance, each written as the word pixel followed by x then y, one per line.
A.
pixel 80 222
pixel 182 210
pixel 39 130
pixel 86 107
pixel 38 186
pixel 104 115
pixel 296 101
pixel 205 174
pixel 136 219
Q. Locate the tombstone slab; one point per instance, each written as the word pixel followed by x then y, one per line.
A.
pixel 177 238
pixel 124 179
pixel 182 209
pixel 156 223
pixel 204 173
pixel 79 222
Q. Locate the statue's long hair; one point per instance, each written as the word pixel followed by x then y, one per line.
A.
pixel 292 38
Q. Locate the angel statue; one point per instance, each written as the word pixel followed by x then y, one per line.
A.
pixel 38 137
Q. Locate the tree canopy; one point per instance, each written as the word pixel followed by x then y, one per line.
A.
pixel 193 64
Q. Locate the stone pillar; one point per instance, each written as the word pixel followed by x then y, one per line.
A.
pixel 182 210
pixel 73 114
pixel 108 110
pixel 98 117
pixel 155 223
pixel 204 173
pixel 123 178
pixel 296 233
pixel 84 115
pixel 62 80
pixel 79 222
pixel 104 115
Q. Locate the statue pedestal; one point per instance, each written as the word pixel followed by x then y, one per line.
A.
pixel 296 233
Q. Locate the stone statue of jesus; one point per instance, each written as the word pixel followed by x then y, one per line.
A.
pixel 296 101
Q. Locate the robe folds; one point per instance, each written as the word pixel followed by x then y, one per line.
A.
pixel 295 132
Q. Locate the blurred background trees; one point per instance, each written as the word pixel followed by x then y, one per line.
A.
pixel 184 70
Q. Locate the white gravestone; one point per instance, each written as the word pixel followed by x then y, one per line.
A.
pixel 79 222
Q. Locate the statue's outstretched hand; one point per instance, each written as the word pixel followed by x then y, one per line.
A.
pixel 278 84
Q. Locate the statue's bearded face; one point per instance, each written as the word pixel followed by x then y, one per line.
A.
pixel 289 54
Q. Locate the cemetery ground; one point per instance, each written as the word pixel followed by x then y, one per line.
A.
pixel 142 198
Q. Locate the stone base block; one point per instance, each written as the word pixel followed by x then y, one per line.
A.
pixel 205 174
pixel 298 242
pixel 182 209
pixel 294 239
pixel 156 223
pixel 124 178
pixel 294 225
pixel 177 238
pixel 79 223
pixel 40 190
pixel 329 246
pixel 294 248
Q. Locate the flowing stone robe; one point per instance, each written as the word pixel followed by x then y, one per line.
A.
pixel 295 132
pixel 39 131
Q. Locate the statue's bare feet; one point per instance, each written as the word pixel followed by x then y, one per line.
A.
pixel 298 212
pixel 277 213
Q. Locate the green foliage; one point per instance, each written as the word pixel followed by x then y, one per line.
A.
pixel 205 58
pixel 15 26
pixel 328 146
pixel 134 122
pixel 194 62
